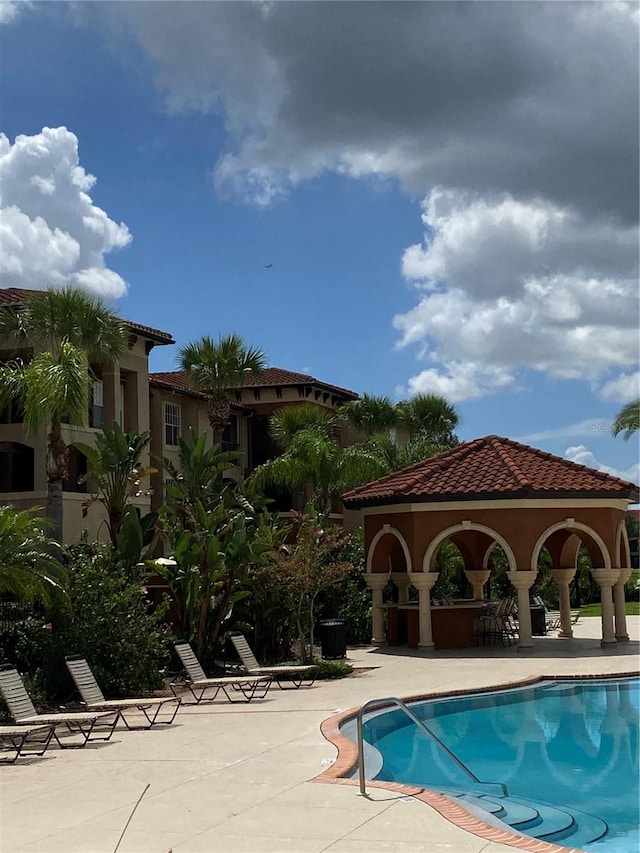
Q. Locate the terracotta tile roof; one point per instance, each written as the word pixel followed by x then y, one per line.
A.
pixel 175 381
pixel 276 376
pixel 17 296
pixel 272 377
pixel 490 468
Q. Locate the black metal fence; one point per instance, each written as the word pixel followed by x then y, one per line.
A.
pixel 13 611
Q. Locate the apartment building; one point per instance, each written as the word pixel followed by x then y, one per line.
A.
pixel 161 403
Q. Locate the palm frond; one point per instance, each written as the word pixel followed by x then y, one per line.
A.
pixel 628 420
pixel 56 388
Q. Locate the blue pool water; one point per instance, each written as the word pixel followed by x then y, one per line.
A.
pixel 566 751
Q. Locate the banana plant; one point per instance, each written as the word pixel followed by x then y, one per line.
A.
pixel 114 465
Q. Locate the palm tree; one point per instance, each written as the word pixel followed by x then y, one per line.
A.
pixel 290 420
pixel 430 416
pixel 28 568
pixel 315 461
pixel 67 330
pixel 370 414
pixel 214 367
pixel 628 420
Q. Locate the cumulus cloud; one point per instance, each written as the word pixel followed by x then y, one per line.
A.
pixel 526 98
pixel 623 388
pixel 504 284
pixel 580 454
pixel 51 232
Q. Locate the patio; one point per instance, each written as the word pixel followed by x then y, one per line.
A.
pixel 237 778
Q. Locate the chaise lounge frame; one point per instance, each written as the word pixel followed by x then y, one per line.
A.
pixel 151 707
pixel 79 723
pixel 300 675
pixel 250 686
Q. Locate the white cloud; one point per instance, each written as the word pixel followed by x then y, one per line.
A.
pixel 526 98
pixel 460 381
pixel 593 427
pixel 504 285
pixel 582 456
pixel 51 232
pixel 10 9
pixel 623 388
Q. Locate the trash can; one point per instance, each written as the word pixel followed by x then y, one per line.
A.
pixel 538 620
pixel 333 639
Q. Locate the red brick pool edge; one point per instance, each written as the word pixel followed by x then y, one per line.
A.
pixel 340 771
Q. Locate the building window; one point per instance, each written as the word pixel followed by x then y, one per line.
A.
pixel 230 434
pixel 16 467
pixel 171 424
pixel 96 415
pixel 76 470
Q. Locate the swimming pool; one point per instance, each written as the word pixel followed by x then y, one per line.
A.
pixel 557 760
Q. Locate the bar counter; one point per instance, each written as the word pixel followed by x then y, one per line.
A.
pixel 454 626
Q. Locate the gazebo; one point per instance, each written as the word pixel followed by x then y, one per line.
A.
pixel 495 491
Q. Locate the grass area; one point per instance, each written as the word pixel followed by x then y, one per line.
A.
pixel 632 608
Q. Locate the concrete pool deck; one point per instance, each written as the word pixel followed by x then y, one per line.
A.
pixel 236 778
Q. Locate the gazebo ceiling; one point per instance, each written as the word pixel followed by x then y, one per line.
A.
pixel 490 468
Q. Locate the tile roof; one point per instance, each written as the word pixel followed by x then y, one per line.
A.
pixel 270 378
pixel 490 468
pixel 276 376
pixel 175 381
pixel 17 296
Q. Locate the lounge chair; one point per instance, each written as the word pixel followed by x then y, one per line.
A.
pixel 151 707
pixel 498 622
pixel 298 675
pixel 250 686
pixel 552 618
pixel 82 723
pixel 16 739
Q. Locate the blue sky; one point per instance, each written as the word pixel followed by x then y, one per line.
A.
pixel 446 196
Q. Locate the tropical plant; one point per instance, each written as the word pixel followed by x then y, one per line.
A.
pixel 312 563
pixel 627 420
pixel 28 567
pixel 288 421
pixel 315 461
pixel 217 534
pixel 431 417
pixel 370 414
pixel 66 331
pixel 114 464
pixel 213 368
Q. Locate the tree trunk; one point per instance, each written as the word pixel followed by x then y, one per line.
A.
pixel 57 470
pixel 219 413
pixel 54 508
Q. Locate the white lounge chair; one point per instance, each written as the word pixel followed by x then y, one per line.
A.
pixel 150 707
pixel 297 675
pixel 250 686
pixel 82 723
pixel 19 740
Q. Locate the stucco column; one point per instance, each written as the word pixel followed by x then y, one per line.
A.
pixel 622 636
pixel 563 578
pixel 376 583
pixel 478 578
pixel 403 581
pixel 111 387
pixel 523 581
pixel 423 582
pixel 606 578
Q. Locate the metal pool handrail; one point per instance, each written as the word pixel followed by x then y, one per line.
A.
pixel 393 700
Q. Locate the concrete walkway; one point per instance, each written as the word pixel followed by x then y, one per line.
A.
pixel 234 779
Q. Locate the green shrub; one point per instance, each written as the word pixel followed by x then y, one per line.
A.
pixel 106 619
pixel 110 622
pixel 327 669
